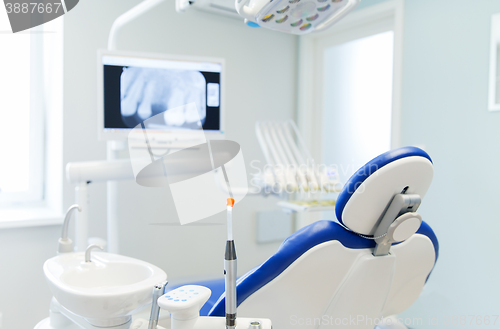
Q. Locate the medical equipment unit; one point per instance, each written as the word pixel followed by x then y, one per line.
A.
pixel 289 16
pixel 370 266
pixel 143 99
pixel 359 272
pixel 104 290
pixel 185 302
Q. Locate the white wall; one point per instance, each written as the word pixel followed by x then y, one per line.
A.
pixel 261 76
pixel 444 107
pixel 24 294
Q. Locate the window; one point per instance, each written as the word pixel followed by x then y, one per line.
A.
pixel 357 101
pixel 30 109
pixel 21 142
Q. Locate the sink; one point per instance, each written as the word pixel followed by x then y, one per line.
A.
pixel 105 291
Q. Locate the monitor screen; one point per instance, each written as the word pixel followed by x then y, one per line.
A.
pixel 138 88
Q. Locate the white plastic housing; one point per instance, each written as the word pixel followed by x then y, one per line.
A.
pixel 184 303
pixel 337 283
pixel 404 227
pixel 295 16
pixel 367 204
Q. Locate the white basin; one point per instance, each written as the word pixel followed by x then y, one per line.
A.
pixel 105 291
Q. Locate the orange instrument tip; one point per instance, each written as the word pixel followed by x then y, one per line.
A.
pixel 230 202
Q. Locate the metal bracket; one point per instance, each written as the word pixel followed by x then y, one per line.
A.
pixel 400 204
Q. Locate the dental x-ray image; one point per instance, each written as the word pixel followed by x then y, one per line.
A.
pixel 146 92
pixel 137 89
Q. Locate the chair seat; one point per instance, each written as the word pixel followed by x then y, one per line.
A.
pixel 291 249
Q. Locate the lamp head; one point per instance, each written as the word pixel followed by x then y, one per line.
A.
pixel 294 16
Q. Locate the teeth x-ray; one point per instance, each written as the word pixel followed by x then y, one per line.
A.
pixel 146 92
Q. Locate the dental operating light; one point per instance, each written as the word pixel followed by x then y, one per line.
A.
pixel 289 16
pixel 294 16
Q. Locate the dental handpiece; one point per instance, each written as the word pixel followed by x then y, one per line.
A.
pixel 230 269
pixel 158 291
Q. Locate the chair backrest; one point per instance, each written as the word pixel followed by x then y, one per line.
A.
pixel 325 274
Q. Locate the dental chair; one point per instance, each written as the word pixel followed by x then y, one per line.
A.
pixel 327 275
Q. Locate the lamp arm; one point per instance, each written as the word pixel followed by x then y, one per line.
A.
pixel 127 17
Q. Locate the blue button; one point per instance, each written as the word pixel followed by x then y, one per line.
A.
pixel 253 24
